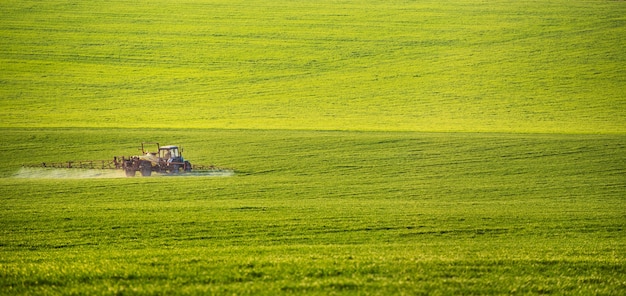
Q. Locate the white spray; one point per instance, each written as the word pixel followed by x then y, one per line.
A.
pixel 75 173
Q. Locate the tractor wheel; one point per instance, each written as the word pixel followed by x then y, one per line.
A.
pixel 129 172
pixel 146 169
pixel 187 166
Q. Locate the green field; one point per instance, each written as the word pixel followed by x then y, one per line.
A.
pixel 505 66
pixel 398 147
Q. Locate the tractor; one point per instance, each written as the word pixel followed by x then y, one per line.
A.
pixel 166 160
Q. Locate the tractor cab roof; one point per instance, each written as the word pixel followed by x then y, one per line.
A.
pixel 168 147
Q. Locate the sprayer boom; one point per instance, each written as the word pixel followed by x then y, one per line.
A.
pixel 165 159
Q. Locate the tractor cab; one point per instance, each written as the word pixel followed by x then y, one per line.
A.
pixel 169 153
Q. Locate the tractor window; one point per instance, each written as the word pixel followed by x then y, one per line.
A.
pixel 169 153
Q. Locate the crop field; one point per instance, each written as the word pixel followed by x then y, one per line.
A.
pixel 323 212
pixel 385 148
pixel 504 66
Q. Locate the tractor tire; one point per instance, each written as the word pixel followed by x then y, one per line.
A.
pixel 146 169
pixel 129 172
pixel 187 166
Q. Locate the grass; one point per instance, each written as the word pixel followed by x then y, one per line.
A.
pixel 411 148
pixel 411 66
pixel 326 212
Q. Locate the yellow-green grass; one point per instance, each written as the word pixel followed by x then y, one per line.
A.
pixel 504 66
pixel 397 147
pixel 312 212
